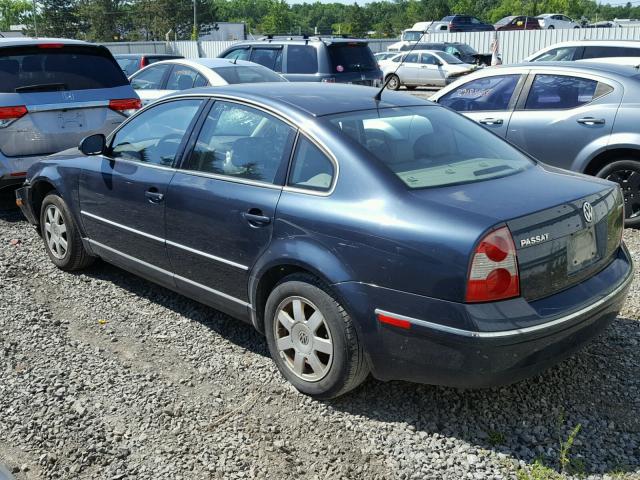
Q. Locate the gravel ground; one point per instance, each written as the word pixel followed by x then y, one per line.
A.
pixel 105 375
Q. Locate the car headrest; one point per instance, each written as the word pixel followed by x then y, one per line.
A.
pixel 185 82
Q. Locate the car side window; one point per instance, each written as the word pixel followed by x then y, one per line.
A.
pixel 200 81
pixel 599 51
pixel 150 79
pixel 552 92
pixel 181 78
pixel 243 142
pixel 562 54
pixel 302 59
pixel 268 57
pixel 411 58
pixel 238 53
pixel 428 59
pixel 155 135
pixel 311 168
pixel 489 94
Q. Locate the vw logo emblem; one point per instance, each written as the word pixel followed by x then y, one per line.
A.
pixel 587 210
pixel 303 337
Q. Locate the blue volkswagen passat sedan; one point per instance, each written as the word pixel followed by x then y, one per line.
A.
pixel 394 237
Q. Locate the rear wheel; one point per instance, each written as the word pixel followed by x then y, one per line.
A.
pixel 626 173
pixel 61 236
pixel 393 82
pixel 312 339
pixel 411 87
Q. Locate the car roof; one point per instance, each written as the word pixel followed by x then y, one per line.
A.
pixel 26 41
pixel 581 43
pixel 296 40
pixel 609 69
pixel 310 98
pixel 138 55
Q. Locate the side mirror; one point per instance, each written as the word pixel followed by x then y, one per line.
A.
pixel 93 144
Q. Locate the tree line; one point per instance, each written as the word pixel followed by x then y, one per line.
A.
pixel 131 20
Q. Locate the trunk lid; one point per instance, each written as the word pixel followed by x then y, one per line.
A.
pixel 544 209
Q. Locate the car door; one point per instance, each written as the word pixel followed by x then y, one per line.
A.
pixel 222 201
pixel 488 100
pixel 431 71
pixel 409 71
pixel 150 82
pixel 122 193
pixel 558 115
pixel 269 56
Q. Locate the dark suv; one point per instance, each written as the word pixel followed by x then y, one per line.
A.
pixel 464 52
pixel 466 23
pixel 312 59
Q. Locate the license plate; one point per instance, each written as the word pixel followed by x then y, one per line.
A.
pixel 71 120
pixel 582 250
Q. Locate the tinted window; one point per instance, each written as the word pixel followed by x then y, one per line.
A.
pixel 563 54
pixel 428 59
pixel 311 169
pixel 128 65
pixel 239 53
pixel 560 92
pixel 151 78
pixel 181 78
pixel 200 82
pixel 411 58
pixel 431 146
pixel 351 57
pixel 302 59
pixel 489 93
pixel 243 74
pixel 242 142
pixel 33 69
pixel 155 135
pixel 268 57
pixel 604 51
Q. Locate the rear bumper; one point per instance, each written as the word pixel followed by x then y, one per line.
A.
pixel 13 170
pixel 459 345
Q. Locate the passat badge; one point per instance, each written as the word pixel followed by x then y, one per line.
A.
pixel 527 242
pixel 587 210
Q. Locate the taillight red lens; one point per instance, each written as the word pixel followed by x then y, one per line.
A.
pixel 12 113
pixel 494 269
pixel 144 62
pixel 125 104
pixel 50 45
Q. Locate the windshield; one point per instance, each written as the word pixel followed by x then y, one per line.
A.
pixel 35 69
pixel 431 146
pixel 412 36
pixel 450 59
pixel 245 74
pixel 504 20
pixel 351 57
pixel 466 49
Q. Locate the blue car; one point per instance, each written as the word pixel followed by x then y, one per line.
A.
pixel 391 236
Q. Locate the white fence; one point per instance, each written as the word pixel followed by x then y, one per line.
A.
pixel 514 45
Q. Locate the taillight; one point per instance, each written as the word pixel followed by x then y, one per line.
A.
pixel 144 62
pixel 494 269
pixel 50 45
pixel 124 104
pixel 8 115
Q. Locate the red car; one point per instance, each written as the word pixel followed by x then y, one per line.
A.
pixel 520 22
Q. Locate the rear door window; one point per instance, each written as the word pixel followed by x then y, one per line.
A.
pixel 562 54
pixel 34 69
pixel 268 57
pixel 351 57
pixel 488 93
pixel 302 59
pixel 150 78
pixel 554 92
pixel 181 78
pixel 311 168
pixel 597 51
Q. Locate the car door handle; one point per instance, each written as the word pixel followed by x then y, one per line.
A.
pixel 154 195
pixel 591 121
pixel 256 218
pixel 491 121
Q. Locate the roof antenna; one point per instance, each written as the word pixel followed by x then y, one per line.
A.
pixel 378 96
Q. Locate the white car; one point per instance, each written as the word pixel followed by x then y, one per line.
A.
pixel 162 78
pixel 556 20
pixel 423 68
pixel 603 51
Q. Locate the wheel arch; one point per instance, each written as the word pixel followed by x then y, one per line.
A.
pixel 40 188
pixel 598 162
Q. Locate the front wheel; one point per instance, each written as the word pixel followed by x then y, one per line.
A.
pixel 626 173
pixel 312 338
pixel 393 83
pixel 61 236
pixel 551 27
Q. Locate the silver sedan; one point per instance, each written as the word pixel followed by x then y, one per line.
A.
pixel 579 117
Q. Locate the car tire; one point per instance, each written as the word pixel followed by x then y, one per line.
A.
pixel 393 82
pixel 551 27
pixel 312 338
pixel 410 87
pixel 61 236
pixel 626 173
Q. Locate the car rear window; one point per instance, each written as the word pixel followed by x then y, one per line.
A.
pixel 431 146
pixel 35 69
pixel 351 57
pixel 245 74
pixel 129 65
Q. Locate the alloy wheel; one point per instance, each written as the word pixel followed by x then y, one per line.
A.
pixel 303 339
pixel 55 232
pixel 629 181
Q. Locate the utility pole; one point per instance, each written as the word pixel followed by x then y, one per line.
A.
pixel 35 24
pixel 194 33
